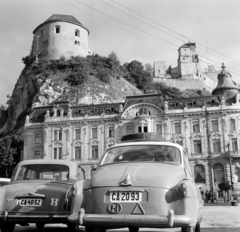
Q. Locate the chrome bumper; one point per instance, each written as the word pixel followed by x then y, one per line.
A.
pixel 30 217
pixel 125 220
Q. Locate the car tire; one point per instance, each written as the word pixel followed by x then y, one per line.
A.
pixel 133 229
pixel 7 227
pixel 188 229
pixel 233 203
pixel 40 225
pixel 72 227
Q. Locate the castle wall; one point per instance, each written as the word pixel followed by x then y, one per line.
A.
pixel 55 45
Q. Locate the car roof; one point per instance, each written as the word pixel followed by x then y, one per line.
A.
pixel 46 161
pixel 5 179
pixel 148 143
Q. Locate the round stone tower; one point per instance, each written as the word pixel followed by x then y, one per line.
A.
pixel 60 35
pixel 226 88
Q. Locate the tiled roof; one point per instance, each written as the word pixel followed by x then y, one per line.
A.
pixel 62 18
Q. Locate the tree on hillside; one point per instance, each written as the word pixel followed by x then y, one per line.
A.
pixel 138 76
pixel 167 91
pixel 7 154
pixel 149 68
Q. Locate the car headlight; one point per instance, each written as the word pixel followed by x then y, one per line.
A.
pixel 183 188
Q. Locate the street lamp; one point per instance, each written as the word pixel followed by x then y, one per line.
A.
pixel 230 163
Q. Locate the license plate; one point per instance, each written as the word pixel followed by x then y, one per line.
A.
pixel 30 202
pixel 125 196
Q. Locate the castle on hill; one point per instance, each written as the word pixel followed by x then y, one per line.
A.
pixel 192 72
pixel 208 127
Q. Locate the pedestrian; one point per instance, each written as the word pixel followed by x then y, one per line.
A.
pixel 206 196
pixel 209 196
pixel 214 197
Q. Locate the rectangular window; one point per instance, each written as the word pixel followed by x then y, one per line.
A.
pixel 37 154
pixel 159 129
pixel 111 132
pixel 234 144
pixel 59 153
pixel 77 133
pixel 196 127
pixel 55 134
pixel 232 124
pixel 60 135
pixel 215 125
pixel 94 152
pixel 177 128
pixel 55 153
pixel 78 152
pixel 197 146
pixel 94 133
pixel 216 145
pixel 38 138
pixel 143 128
pixel 129 129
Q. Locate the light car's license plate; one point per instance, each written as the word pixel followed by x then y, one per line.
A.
pixel 30 202
pixel 125 196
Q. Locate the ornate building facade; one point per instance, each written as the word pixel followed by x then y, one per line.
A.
pixel 207 127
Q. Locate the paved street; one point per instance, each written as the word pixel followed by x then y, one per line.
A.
pixel 217 218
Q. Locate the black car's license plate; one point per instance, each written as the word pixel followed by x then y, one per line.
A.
pixel 125 196
pixel 30 202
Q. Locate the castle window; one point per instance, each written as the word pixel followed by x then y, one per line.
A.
pixel 218 172
pixel 143 128
pixel 159 129
pixel 58 113
pixel 77 33
pixel 199 174
pixel 57 29
pixel 111 131
pixel 129 129
pixel 77 42
pixel 177 128
pixel 94 133
pixel 196 128
pixel 57 135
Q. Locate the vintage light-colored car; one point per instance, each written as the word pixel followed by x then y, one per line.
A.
pixel 235 198
pixel 141 182
pixel 41 192
pixel 4 181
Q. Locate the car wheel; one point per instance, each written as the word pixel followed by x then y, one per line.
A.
pixel 40 225
pixel 188 229
pixel 233 203
pixel 133 229
pixel 72 227
pixel 7 227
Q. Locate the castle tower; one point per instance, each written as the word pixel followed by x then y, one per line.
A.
pixel 226 88
pixel 60 35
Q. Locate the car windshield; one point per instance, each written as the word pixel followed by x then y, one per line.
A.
pixel 48 172
pixel 143 153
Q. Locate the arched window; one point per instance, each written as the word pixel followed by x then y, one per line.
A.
pixel 77 33
pixel 143 112
pixel 218 172
pixel 199 174
pixel 237 173
pixel 57 29
pixel 58 113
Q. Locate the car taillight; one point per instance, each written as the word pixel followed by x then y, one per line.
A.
pixel 74 190
pixel 183 188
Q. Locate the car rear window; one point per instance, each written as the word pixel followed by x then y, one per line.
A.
pixel 49 172
pixel 143 153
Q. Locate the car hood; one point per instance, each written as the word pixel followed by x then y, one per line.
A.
pixel 137 174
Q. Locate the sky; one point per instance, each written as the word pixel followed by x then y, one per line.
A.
pixel 143 30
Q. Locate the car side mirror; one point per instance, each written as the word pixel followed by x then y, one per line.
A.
pixel 94 168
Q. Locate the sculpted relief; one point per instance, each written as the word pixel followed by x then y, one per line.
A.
pixel 141 110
